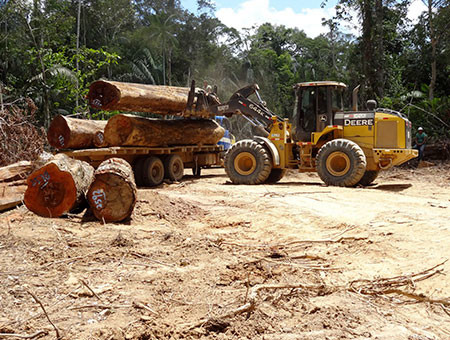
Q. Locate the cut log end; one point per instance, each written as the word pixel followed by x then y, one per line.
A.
pixel 112 195
pixel 50 192
pixel 99 139
pixel 58 133
pixel 103 95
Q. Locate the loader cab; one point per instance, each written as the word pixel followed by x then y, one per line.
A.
pixel 315 106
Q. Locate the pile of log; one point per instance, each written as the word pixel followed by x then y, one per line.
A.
pixel 129 130
pixel 63 185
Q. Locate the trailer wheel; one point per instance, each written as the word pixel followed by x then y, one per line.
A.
pixel 341 162
pixel 248 162
pixel 368 177
pixel 173 167
pixel 275 175
pixel 153 171
pixel 138 170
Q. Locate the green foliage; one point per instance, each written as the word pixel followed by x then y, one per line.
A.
pixel 159 42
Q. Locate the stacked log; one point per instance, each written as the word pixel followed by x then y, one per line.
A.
pixel 73 133
pixel 128 130
pixel 13 184
pixel 58 187
pixel 112 194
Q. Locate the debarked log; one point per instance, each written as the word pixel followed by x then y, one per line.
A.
pixel 113 95
pixel 112 194
pixel 58 187
pixel 128 130
pixel 11 194
pixel 73 133
pixel 16 171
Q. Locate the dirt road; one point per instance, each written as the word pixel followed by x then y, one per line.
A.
pixel 204 259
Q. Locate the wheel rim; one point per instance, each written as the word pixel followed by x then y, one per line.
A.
pixel 338 163
pixel 245 163
pixel 178 169
pixel 156 171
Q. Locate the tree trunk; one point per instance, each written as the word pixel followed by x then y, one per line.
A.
pixel 433 51
pixel 58 187
pixel 73 133
pixel 112 195
pixel 164 100
pixel 127 130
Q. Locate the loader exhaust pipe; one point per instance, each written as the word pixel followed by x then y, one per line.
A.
pixel 355 98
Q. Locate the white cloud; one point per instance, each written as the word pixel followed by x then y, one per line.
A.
pixel 257 12
pixel 415 10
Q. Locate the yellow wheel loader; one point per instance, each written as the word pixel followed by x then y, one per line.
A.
pixel 346 148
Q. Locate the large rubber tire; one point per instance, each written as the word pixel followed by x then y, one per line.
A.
pixel 153 171
pixel 173 167
pixel 341 162
pixel 368 177
pixel 248 162
pixel 138 169
pixel 275 175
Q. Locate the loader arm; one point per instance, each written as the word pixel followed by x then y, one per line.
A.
pixel 256 112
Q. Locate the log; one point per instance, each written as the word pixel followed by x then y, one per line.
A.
pixel 11 194
pixel 113 95
pixel 128 130
pixel 16 171
pixel 99 139
pixel 73 133
pixel 112 194
pixel 58 187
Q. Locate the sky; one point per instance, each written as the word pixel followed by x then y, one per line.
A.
pixel 305 15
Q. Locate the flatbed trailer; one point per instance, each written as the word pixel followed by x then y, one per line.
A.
pixel 151 165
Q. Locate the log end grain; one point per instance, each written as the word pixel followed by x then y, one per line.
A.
pixel 99 139
pixel 58 134
pixel 112 194
pixel 50 192
pixel 103 95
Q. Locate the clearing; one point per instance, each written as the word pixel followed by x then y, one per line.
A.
pixel 204 259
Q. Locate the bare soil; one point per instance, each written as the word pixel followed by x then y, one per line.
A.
pixel 195 252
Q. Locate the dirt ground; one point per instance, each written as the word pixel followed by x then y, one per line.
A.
pixel 204 259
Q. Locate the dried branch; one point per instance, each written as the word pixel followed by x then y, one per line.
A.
pixel 20 139
pixel 377 287
pixel 140 305
pixel 22 336
pixel 336 239
pixel 58 335
pixel 90 289
pixel 252 300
